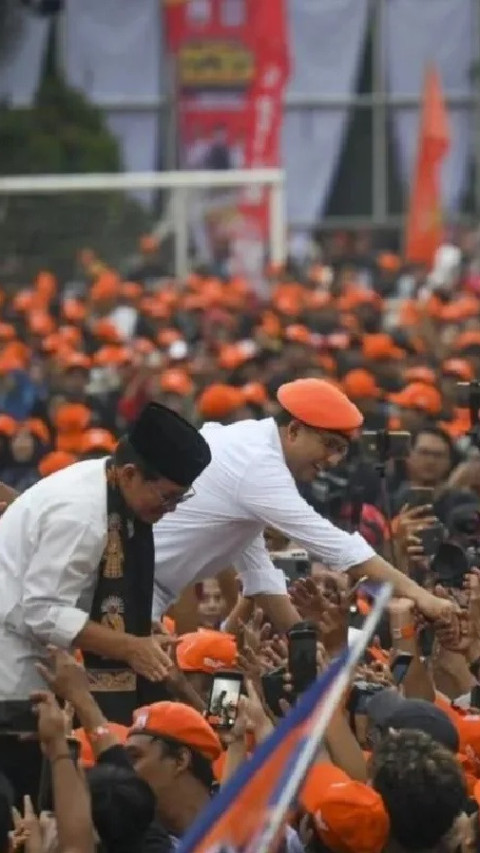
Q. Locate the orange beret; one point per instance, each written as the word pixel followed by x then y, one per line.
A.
pixel 206 651
pixel 178 721
pixel 319 404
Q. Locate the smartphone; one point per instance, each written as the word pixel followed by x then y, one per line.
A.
pixel 273 685
pixel 475 696
pixel 431 538
pixel 360 696
pixel 294 564
pixel 450 565
pixel 378 444
pixel 222 708
pixel 302 656
pixel 419 496
pixel 399 667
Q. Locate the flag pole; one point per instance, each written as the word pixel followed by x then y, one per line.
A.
pixel 320 722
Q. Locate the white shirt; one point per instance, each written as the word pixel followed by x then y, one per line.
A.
pixel 51 542
pixel 246 487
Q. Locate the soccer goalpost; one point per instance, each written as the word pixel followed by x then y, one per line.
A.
pixel 31 199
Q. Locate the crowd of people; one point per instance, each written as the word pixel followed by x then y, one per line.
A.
pixel 79 363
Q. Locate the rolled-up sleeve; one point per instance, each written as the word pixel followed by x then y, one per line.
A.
pixel 268 492
pixel 259 575
pixel 68 553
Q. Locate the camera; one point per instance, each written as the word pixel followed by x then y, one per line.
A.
pixel 382 445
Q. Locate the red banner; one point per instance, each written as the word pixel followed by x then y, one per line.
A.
pixel 231 69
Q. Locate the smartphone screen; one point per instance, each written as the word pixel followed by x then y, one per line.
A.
pixel 419 496
pixel 223 702
pixel 431 539
pixel 302 657
pixel 400 667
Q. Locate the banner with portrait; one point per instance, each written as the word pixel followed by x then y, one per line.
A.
pixel 231 68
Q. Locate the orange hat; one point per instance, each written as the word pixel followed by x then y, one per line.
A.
pixel 112 356
pixel 69 442
pixel 388 262
pixel 380 346
pixel 467 339
pixel 106 331
pixel 219 401
pixel 106 287
pixel 97 439
pixel 76 360
pixel 131 291
pixel 361 383
pixel 421 373
pixel 459 425
pixel 55 461
pixel 319 404
pixel 8 426
pixel 72 417
pixel 38 428
pixel 9 362
pixel 176 381
pixel 40 323
pixel 87 758
pixel 460 368
pixel 256 393
pixel 178 721
pixel 167 337
pixel 24 301
pixel 418 395
pixel 143 346
pixel 7 332
pixel 350 817
pixel 232 356
pixel 206 651
pixel 296 333
pixel 74 311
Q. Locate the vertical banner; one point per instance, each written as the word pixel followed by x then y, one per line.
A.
pixel 231 60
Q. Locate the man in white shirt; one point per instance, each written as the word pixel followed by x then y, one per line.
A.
pixel 77 559
pixel 251 484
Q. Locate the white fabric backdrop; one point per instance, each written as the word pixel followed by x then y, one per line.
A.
pixel 112 51
pixel 417 32
pixel 327 37
pixel 21 66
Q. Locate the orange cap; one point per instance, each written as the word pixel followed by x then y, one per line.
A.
pixel 76 360
pixel 176 381
pixel 256 393
pixel 40 323
pixel 421 373
pixel 38 428
pixel 8 426
pixel 361 383
pixel 72 417
pixel 296 333
pixel 106 287
pixel 106 331
pixel 350 817
pixel 459 368
pixel 98 440
pixel 7 332
pixel 206 651
pixel 467 339
pixel 319 404
pixel 219 401
pixel 418 395
pixel 167 337
pixel 55 461
pixel 232 356
pixel 131 291
pixel 113 356
pixel 74 311
pixel 178 721
pixel 380 346
pixel 388 262
pixel 9 362
pixel 459 425
pixel 87 758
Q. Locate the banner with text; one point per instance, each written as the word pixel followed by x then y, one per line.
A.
pixel 231 61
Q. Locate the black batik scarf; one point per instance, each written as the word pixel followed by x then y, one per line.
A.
pixel 122 601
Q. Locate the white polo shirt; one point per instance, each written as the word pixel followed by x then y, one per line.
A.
pixel 246 487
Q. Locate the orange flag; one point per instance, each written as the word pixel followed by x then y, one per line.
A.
pixel 424 223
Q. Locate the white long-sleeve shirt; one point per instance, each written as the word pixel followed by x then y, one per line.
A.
pixel 51 542
pixel 246 487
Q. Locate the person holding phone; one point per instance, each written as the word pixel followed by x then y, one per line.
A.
pixel 250 485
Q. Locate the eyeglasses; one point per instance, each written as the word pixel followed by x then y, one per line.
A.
pixel 175 500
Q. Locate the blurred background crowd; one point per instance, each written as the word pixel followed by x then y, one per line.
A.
pixel 377 290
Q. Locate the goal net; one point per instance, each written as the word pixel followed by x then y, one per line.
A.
pixel 187 219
